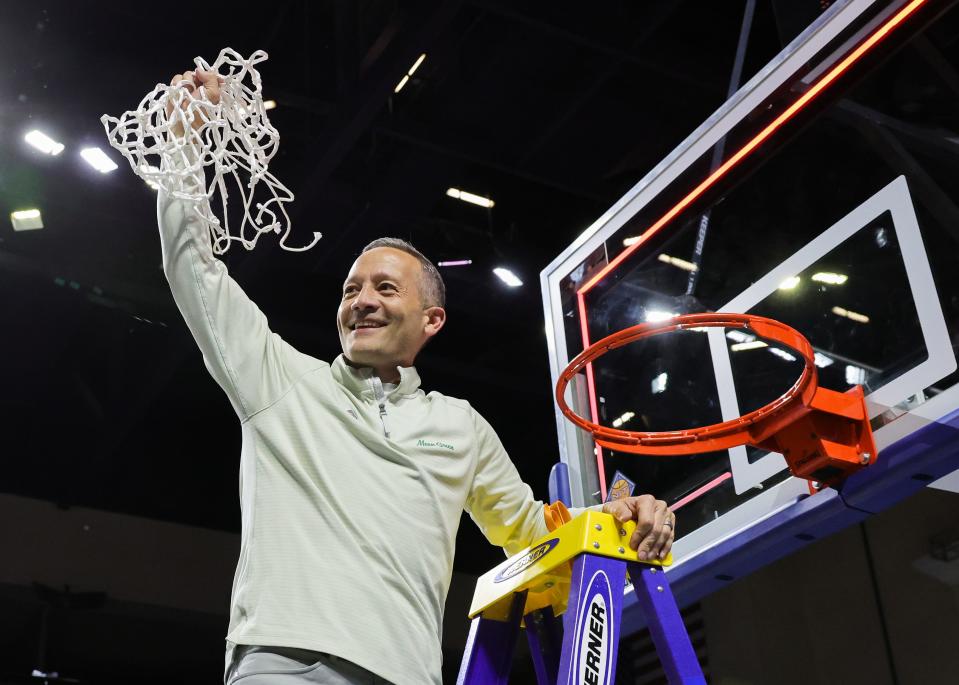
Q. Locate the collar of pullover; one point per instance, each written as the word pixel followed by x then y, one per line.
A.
pixel 357 380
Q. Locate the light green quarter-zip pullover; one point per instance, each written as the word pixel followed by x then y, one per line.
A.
pixel 350 494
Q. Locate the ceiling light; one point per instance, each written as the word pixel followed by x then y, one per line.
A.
pixel 416 64
pixel 882 238
pixel 456 262
pixel 656 315
pixel 43 143
pixel 269 104
pixel 659 383
pixel 739 336
pixel 26 220
pixel 790 283
pixel 855 375
pixel 754 345
pixel 508 277
pixel 406 77
pixel 470 197
pixel 830 278
pixel 822 361
pixel 677 262
pixel 855 316
pixel 98 159
pixel 631 241
pixel 782 354
pixel 623 419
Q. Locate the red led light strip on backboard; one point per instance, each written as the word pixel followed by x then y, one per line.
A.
pixel 710 181
pixel 698 492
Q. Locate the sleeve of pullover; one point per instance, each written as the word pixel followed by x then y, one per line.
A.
pixel 500 503
pixel 245 358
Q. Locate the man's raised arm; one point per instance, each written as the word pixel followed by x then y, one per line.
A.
pixel 247 360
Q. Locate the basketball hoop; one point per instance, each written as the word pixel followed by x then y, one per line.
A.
pixel 824 435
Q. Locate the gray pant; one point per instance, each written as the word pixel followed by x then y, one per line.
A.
pixel 256 665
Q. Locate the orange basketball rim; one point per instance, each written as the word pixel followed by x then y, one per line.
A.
pixel 824 435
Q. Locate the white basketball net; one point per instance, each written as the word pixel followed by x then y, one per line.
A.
pixel 235 140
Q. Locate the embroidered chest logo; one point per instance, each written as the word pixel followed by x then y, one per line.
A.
pixel 435 443
pixel 352 413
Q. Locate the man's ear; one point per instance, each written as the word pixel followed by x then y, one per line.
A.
pixel 435 320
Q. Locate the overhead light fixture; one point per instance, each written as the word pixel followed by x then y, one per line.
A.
pixel 26 220
pixel 739 336
pixel 882 238
pixel 677 262
pixel 456 262
pixel 830 278
pixel 472 198
pixel 98 159
pixel 631 241
pixel 406 77
pixel 790 283
pixel 655 315
pixel 855 375
pixel 508 277
pixel 855 316
pixel 782 354
pixel 822 361
pixel 269 104
pixel 623 419
pixel 659 383
pixel 754 345
pixel 416 64
pixel 43 142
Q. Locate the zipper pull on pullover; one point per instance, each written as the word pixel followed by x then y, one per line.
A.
pixel 380 396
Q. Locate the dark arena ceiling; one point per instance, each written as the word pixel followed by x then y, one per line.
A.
pixel 552 110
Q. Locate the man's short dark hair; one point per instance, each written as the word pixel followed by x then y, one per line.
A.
pixel 432 288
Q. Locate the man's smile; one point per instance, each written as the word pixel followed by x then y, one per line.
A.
pixel 366 326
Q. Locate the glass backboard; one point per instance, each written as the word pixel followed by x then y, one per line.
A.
pixel 824 194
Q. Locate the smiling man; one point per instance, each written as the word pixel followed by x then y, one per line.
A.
pixel 352 478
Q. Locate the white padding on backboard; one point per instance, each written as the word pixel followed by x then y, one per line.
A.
pixel 950 482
